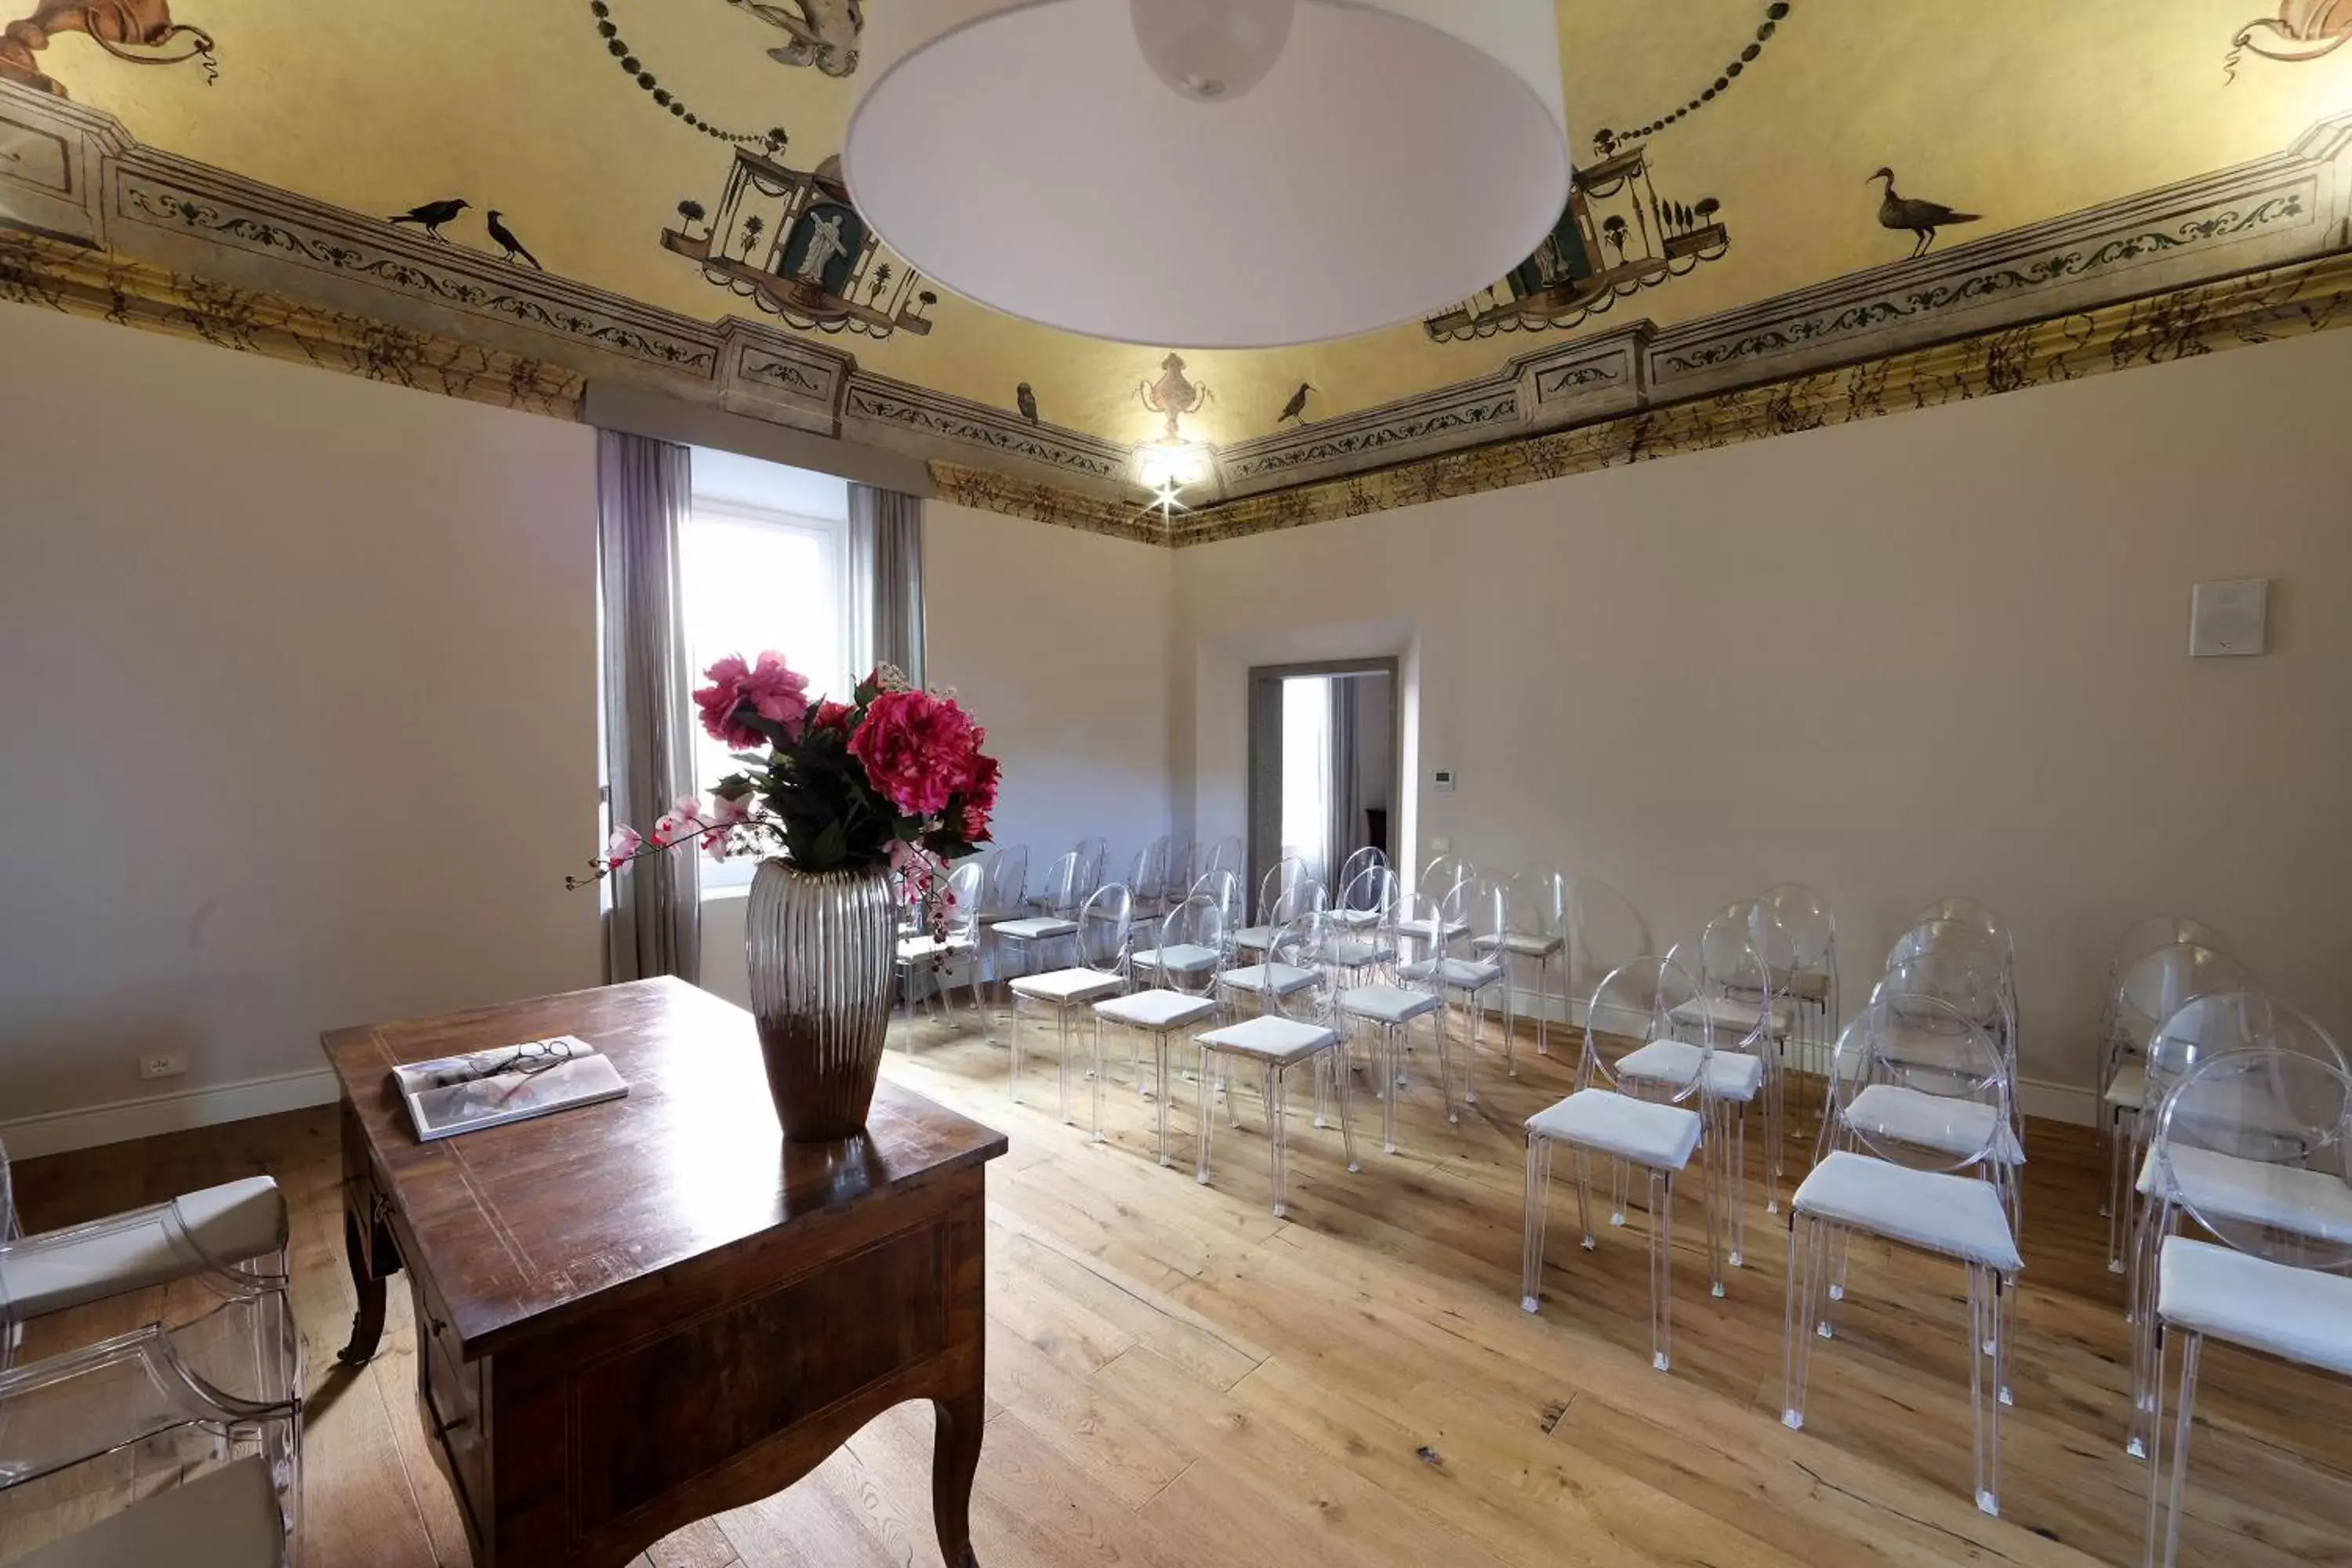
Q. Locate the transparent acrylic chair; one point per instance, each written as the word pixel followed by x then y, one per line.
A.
pixel 1539 909
pixel 1973 912
pixel 2281 1119
pixel 1365 918
pixel 1101 937
pixel 1953 948
pixel 1913 1192
pixel 1221 855
pixel 1269 978
pixel 1369 857
pixel 2240 1171
pixel 231 1240
pixel 1033 934
pixel 1656 1135
pixel 1443 875
pixel 1094 857
pixel 1716 1046
pixel 2151 988
pixel 955 942
pixel 197 1396
pixel 1004 894
pixel 1751 1018
pixel 1375 996
pixel 1451 927
pixel 1281 897
pixel 1297 1030
pixel 1148 880
pixel 1182 970
pixel 1812 982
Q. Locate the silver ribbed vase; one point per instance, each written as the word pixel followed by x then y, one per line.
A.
pixel 823 949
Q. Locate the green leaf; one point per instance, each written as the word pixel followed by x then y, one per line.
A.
pixel 830 848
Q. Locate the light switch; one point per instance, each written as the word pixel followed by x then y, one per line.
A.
pixel 2229 619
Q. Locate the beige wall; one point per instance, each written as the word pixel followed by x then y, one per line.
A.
pixel 297 688
pixel 1932 653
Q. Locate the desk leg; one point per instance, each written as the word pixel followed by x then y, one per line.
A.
pixel 368 1248
pixel 955 1460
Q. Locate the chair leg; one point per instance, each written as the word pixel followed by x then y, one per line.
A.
pixel 1160 1054
pixel 1543 1005
pixel 1711 1145
pixel 1094 1135
pixel 1207 1118
pixel 1477 1035
pixel 1807 1258
pixel 1736 1156
pixel 1062 1069
pixel 1510 1022
pixel 1839 1249
pixel 1662 1269
pixel 1443 1019
pixel 1013 1035
pixel 1275 1088
pixel 1531 1248
pixel 1346 1110
pixel 1585 1201
pixel 1386 1066
pixel 2145 1250
pixel 2171 1489
pixel 1984 1415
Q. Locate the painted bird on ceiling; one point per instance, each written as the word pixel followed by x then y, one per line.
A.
pixel 506 241
pixel 1921 218
pixel 1027 401
pixel 1297 407
pixel 433 215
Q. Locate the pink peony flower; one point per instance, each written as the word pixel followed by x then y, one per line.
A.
pixel 917 750
pixel 979 781
pixel 776 693
pixel 718 702
pixel 625 843
pixel 833 715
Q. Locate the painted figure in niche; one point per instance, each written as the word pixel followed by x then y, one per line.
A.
pixel 824 243
pixel 2303 31
pixel 140 31
pixel 823 33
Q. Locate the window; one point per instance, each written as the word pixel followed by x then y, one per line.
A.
pixel 756 577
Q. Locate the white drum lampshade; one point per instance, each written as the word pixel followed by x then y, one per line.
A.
pixel 1211 174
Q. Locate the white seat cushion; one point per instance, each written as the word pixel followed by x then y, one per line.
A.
pixel 1958 1216
pixel 1658 1136
pixel 2129 1089
pixel 1360 951
pixel 1523 945
pixel 1184 958
pixel 1387 1003
pixel 2298 1313
pixel 1731 1075
pixel 1252 939
pixel 914 948
pixel 1272 1039
pixel 231 1224
pixel 1157 1009
pixel 1456 974
pixel 226 1517
pixel 1356 919
pixel 1282 979
pixel 1036 928
pixel 1067 985
pixel 2310 1203
pixel 1731 1012
pixel 1960 1128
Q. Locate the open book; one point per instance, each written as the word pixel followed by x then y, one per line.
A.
pixel 512 1083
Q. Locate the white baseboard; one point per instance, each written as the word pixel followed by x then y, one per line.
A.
pixel 57 1132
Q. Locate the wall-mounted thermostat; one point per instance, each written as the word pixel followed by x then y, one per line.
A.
pixel 1443 783
pixel 2227 618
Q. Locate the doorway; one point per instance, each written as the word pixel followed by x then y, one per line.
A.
pixel 1324 767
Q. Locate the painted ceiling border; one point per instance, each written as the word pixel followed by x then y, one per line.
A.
pixel 93 222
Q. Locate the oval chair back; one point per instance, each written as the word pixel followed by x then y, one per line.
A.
pixel 1957 1114
pixel 1006 881
pixel 1106 930
pixel 1198 925
pixel 1645 1000
pixel 1057 889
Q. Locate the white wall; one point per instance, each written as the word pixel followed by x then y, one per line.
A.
pixel 1932 653
pixel 1060 643
pixel 297 687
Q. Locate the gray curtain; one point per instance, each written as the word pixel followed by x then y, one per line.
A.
pixel 653 915
pixel 886 580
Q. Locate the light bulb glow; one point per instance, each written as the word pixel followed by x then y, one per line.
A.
pixel 1211 51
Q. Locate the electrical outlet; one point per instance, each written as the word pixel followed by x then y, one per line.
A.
pixel 162 1064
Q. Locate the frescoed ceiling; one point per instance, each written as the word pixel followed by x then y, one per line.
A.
pixel 1728 150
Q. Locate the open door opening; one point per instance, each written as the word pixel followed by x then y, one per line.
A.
pixel 1323 767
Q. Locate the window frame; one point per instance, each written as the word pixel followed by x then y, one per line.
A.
pixel 725 877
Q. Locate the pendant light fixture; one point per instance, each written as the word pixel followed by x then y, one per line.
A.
pixel 1211 174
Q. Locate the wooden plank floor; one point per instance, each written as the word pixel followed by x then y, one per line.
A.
pixel 1177 1378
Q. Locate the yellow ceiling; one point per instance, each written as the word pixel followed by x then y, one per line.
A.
pixel 2016 110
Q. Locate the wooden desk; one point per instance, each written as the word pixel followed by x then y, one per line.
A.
pixel 634 1315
